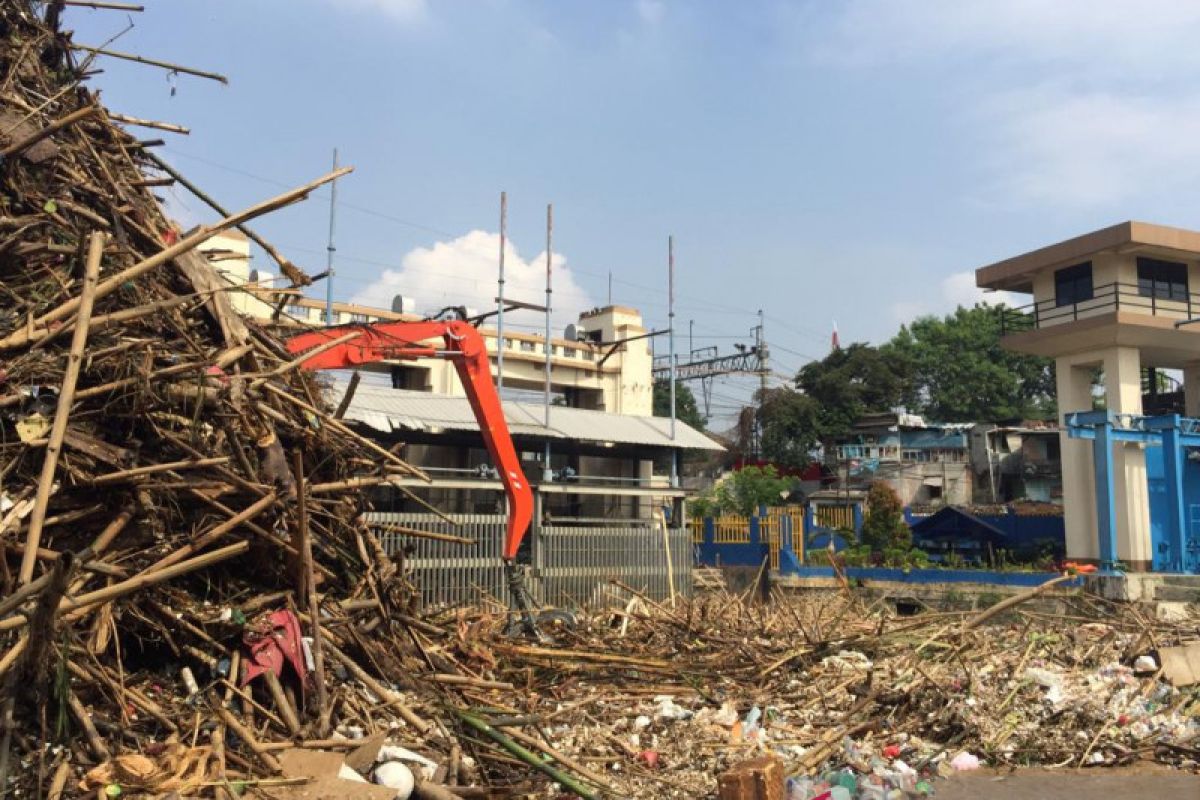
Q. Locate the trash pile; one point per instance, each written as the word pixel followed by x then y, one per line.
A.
pixel 191 604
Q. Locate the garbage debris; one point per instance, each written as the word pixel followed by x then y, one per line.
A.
pixel 192 603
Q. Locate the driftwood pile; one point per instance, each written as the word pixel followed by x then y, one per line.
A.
pixel 161 460
pixel 180 510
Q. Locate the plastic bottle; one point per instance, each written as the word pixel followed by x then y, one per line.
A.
pixel 800 789
pixel 840 793
pixel 750 724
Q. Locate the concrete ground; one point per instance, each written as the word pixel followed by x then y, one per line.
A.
pixel 1102 784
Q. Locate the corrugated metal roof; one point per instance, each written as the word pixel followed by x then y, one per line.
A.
pixel 386 409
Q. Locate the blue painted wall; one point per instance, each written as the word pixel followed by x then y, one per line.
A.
pixel 1160 513
pixel 928 576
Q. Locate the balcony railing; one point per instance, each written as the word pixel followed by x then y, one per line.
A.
pixel 1105 299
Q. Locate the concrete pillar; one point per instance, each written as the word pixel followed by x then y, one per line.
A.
pixel 645 474
pixel 1074 379
pixel 1191 389
pixel 1123 388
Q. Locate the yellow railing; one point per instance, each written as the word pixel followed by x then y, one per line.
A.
pixel 733 529
pixel 730 529
pixel 837 517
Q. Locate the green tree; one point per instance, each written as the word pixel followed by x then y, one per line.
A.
pixel 962 374
pixel 853 381
pixel 790 425
pixel 884 527
pixel 685 404
pixel 750 487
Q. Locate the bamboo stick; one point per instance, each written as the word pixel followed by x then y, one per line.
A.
pixel 66 397
pixel 58 783
pixel 78 606
pixel 529 758
pixel 103 5
pixel 99 749
pixel 299 360
pixel 149 123
pixel 152 469
pixel 167 65
pixel 282 704
pixel 348 395
pixel 341 428
pixel 184 245
pixel 205 539
pixel 32 139
pixel 246 735
pixel 1015 600
pixel 271 250
pixel 376 688
pixel 309 586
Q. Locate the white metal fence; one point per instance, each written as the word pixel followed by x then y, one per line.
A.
pixel 449 573
pixel 576 565
pixel 573 565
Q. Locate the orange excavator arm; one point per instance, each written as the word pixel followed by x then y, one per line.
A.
pixel 466 349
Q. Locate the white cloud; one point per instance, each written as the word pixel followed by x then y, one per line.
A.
pixel 955 290
pixel 463 272
pixel 651 12
pixel 1057 146
pixel 406 11
pixel 1113 36
pixel 1074 103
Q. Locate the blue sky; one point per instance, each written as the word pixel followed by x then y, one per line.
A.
pixel 850 161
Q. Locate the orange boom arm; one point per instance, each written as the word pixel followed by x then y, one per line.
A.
pixel 465 347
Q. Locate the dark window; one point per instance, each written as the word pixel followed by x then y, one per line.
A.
pixel 1073 284
pixel 1166 280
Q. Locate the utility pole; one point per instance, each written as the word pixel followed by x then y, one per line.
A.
pixel 547 473
pixel 500 296
pixel 610 287
pixel 329 248
pixel 671 339
pixel 764 371
pixel 763 355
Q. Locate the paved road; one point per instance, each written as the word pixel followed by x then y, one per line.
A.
pixel 1071 785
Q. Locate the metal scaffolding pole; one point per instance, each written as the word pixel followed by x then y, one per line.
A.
pixel 547 473
pixel 329 248
pixel 500 296
pixel 671 351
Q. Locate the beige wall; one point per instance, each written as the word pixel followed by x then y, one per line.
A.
pixel 623 385
pixel 1123 389
pixel 1107 269
pixel 910 483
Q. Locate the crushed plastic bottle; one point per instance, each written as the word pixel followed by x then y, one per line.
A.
pixel 800 788
pixel 750 725
pixel 965 761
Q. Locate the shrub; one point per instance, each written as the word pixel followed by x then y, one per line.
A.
pixel 884 526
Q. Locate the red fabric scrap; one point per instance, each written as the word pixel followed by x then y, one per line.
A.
pixel 274 641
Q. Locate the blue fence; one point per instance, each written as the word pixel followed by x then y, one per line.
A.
pixel 787 539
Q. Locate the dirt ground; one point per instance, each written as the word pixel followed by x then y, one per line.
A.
pixel 1070 785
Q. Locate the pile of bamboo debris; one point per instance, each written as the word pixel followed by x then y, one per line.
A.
pixel 179 512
